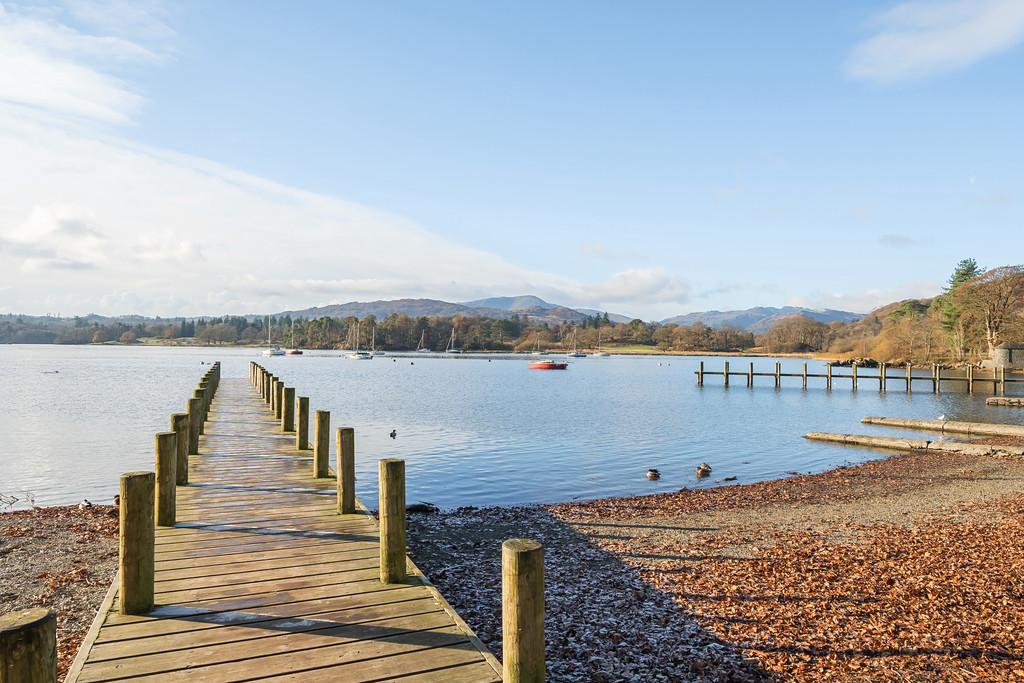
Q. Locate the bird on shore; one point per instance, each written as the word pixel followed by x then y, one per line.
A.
pixel 84 504
pixel 653 474
pixel 393 434
pixel 703 470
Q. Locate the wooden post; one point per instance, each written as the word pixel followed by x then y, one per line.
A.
pixel 910 377
pixel 302 424
pixel 200 393
pixel 321 447
pixel 28 646
pixel 179 425
pixel 881 377
pixel 279 400
pixel 750 374
pixel 970 379
pixel 166 478
pixel 725 374
pixel 1002 381
pixel 778 374
pixel 853 367
pixel 828 377
pixel 522 611
pixel 269 398
pixel 391 507
pixel 193 425
pixel 288 410
pixel 346 470
pixel 136 553
pixel 804 375
pixel 938 379
pixel 700 374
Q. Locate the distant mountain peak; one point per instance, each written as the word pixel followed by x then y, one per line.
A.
pixel 760 319
pixel 523 302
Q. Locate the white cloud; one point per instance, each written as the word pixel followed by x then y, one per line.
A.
pixel 867 300
pixel 923 38
pixel 49 65
pixel 90 222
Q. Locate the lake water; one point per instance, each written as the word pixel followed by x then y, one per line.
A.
pixel 472 432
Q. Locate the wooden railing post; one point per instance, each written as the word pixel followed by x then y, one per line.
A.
pixel 179 425
pixel 302 424
pixel 391 507
pixel 522 611
pixel 200 393
pixel 321 445
pixel 193 425
pixel 166 478
pixel 345 467
pixel 288 410
pixel 136 553
pixel 28 646
pixel 278 400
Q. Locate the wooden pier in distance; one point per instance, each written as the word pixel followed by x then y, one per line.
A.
pixel 262 578
pixel 996 378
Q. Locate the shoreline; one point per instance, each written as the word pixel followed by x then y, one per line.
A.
pixel 669 584
pixel 863 571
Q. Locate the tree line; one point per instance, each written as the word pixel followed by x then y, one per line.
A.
pixel 977 310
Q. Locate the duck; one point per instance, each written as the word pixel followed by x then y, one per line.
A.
pixel 653 474
pixel 84 504
pixel 703 470
pixel 393 434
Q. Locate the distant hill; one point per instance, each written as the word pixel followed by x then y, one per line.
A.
pixel 760 319
pixel 614 317
pixel 527 305
pixel 510 303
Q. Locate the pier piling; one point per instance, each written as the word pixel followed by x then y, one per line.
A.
pixel 302 424
pixel 136 551
pixel 345 468
pixel 522 611
pixel 28 646
pixel 321 446
pixel 288 410
pixel 179 425
pixel 166 477
pixel 391 507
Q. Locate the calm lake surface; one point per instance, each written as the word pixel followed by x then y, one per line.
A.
pixel 473 432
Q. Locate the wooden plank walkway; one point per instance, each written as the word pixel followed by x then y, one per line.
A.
pixel 261 579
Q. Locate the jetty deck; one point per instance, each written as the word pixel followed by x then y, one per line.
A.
pixel 261 579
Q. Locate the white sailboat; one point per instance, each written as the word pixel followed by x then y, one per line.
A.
pixel 356 354
pixel 420 348
pixel 451 344
pixel 575 353
pixel 373 344
pixel 599 353
pixel 273 350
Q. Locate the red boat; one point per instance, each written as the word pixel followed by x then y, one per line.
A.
pixel 293 352
pixel 548 365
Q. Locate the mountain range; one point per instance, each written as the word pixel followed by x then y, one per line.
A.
pixel 757 320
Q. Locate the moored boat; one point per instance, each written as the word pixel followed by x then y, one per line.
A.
pixel 548 365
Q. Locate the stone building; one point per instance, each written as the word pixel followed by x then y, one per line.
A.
pixel 1009 355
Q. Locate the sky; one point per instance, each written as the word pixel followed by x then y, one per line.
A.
pixel 650 159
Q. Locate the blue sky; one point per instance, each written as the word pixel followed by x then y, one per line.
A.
pixel 648 158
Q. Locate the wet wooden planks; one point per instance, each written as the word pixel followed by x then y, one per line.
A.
pixel 261 580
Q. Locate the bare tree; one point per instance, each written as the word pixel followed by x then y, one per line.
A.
pixel 993 300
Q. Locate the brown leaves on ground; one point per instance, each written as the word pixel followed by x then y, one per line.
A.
pixel 937 597
pixel 62 558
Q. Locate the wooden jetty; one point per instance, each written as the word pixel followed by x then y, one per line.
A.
pixel 971 378
pixel 266 567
